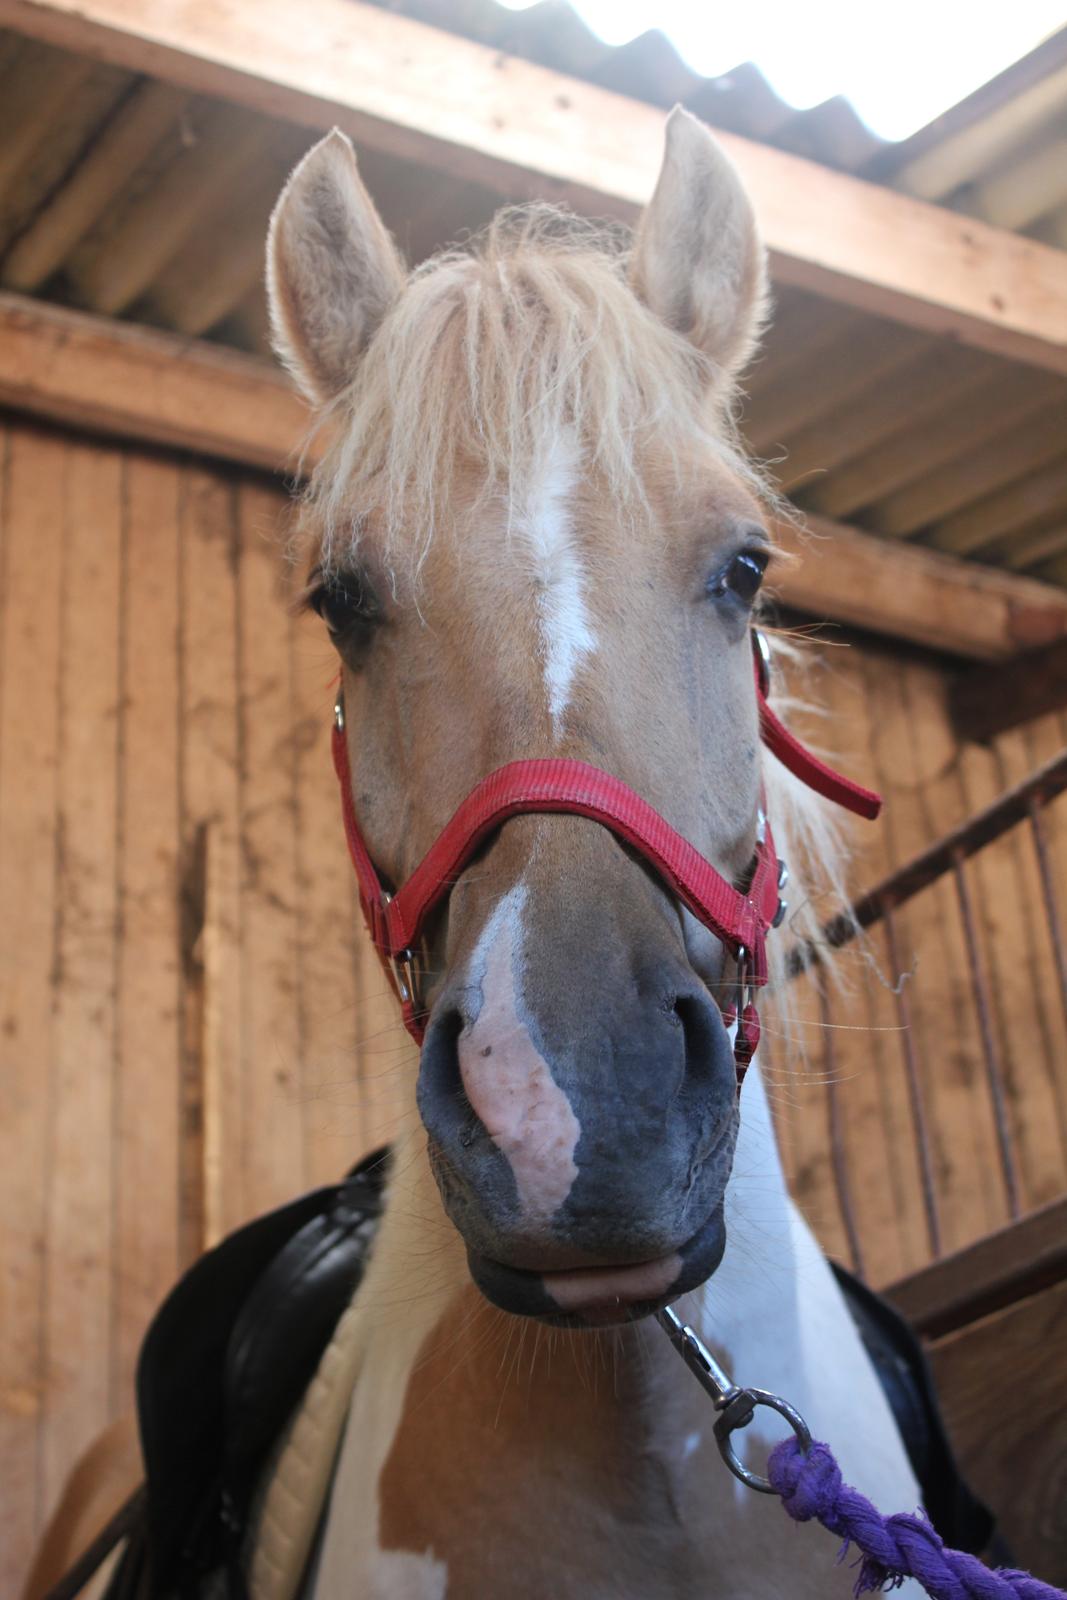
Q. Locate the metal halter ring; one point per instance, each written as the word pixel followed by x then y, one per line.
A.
pixel 738 1413
pixel 736 1406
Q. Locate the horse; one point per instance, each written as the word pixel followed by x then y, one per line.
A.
pixel 534 533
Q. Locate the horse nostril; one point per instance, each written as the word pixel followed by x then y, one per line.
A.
pixel 708 1056
pixel 443 1102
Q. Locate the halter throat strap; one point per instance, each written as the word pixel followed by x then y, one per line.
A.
pixel 740 919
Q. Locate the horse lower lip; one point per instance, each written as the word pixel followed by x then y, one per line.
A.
pixel 588 1289
pixel 599 1295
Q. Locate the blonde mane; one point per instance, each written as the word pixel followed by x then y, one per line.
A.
pixel 489 354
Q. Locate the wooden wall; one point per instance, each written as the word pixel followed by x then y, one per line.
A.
pixel 191 1026
pixel 190 1031
pixel 890 723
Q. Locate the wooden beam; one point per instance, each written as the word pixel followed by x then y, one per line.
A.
pixel 521 129
pixel 996 1270
pixel 115 378
pixel 911 593
pixel 137 383
pixel 987 701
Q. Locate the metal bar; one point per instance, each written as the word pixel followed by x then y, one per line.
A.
pixel 980 990
pixel 838 1158
pixel 1048 894
pixel 1055 932
pixel 915 1094
pixel 922 870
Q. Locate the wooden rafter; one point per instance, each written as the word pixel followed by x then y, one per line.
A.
pixel 519 129
pixel 136 383
pixel 116 378
pixel 911 593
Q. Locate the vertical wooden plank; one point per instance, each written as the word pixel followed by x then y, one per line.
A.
pixel 80 1226
pixel 922 770
pixel 32 551
pixel 212 1192
pixel 794 1064
pixel 329 929
pixel 1028 1019
pixel 800 1051
pixel 149 980
pixel 216 996
pixel 270 1032
pixel 1042 740
pixel 872 1089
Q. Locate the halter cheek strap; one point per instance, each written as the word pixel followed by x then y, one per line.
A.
pixel 741 920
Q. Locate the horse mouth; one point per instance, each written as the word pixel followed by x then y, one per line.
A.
pixel 597 1297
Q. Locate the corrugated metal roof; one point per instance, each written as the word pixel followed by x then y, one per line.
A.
pixel 1001 154
pixel 649 68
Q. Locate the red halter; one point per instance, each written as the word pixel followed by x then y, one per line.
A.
pixel 741 920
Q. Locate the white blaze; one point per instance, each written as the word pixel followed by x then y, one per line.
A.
pixel 563 620
pixel 507 1080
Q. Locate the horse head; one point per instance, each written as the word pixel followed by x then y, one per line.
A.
pixel 534 536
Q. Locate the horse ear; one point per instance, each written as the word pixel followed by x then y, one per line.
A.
pixel 332 269
pixel 698 259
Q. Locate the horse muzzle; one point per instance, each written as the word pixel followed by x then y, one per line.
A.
pixel 584 1161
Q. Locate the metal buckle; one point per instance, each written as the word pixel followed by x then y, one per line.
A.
pixel 403 966
pixel 762 651
pixel 744 988
pixel 783 905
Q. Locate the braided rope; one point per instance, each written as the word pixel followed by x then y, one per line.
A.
pixel 892 1548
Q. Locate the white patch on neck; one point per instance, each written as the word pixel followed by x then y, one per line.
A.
pixel 774 1313
pixel 564 625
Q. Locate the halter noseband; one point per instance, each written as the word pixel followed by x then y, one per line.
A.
pixel 741 920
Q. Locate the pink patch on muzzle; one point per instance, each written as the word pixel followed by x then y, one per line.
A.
pixel 511 1089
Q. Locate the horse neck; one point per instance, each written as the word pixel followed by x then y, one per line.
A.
pixel 597 1447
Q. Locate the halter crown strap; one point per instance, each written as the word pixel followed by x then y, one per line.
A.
pixel 740 919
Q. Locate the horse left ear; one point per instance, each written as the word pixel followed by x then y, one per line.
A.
pixel 698 260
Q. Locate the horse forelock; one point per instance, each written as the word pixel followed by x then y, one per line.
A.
pixel 491 354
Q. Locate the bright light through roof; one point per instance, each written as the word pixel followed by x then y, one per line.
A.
pixel 901 63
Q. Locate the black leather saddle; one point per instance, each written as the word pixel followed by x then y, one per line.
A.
pixel 237 1341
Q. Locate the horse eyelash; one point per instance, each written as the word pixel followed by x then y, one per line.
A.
pixel 304 600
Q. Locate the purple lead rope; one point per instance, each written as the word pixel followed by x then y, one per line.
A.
pixel 892 1548
pixel 806 1478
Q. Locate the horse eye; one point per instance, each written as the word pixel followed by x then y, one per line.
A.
pixel 741 576
pixel 342 600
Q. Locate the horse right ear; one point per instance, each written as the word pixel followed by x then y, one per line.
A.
pixel 332 270
pixel 698 261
